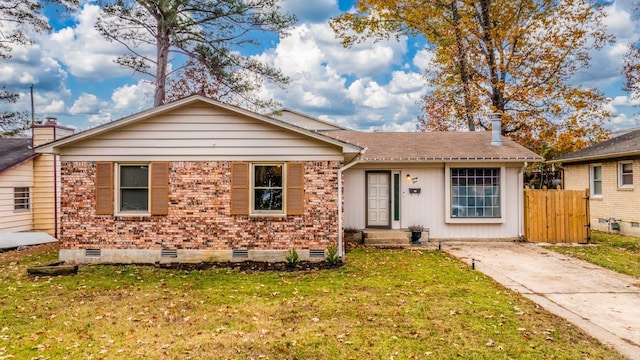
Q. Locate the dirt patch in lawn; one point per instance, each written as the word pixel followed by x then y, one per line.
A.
pixel 20 253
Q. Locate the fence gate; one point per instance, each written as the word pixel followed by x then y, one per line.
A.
pixel 556 216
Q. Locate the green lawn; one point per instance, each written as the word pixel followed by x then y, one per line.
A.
pixel 615 252
pixel 382 304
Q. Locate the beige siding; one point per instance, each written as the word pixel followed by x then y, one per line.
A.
pixel 44 201
pixel 201 133
pixel 429 207
pixel 622 204
pixel 15 220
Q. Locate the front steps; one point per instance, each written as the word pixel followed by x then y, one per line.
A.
pixel 391 238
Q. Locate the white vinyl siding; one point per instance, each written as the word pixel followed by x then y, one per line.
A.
pixel 204 133
pixel 429 208
pixel 12 220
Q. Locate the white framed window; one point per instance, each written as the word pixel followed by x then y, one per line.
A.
pixel 475 194
pixel 21 199
pixel 625 174
pixel 596 180
pixel 267 189
pixel 132 194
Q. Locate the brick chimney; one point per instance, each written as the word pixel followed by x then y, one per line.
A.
pixel 47 131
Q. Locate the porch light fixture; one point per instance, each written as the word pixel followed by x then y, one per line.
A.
pixel 412 179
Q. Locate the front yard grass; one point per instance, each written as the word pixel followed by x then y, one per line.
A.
pixel 612 251
pixel 382 304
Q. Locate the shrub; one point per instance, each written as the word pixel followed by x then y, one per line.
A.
pixel 332 255
pixel 292 258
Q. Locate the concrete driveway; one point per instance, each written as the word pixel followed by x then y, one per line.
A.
pixel 602 302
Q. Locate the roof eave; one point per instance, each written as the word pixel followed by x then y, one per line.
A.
pixel 595 157
pixel 451 159
pixel 17 163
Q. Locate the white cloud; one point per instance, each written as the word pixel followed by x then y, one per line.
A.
pixel 55 107
pixel 129 99
pixel 85 52
pixel 85 104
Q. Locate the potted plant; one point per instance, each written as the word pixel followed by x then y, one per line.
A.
pixel 416 233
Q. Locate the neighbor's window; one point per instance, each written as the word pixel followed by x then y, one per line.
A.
pixel 625 174
pixel 21 200
pixel 475 192
pixel 596 180
pixel 134 188
pixel 267 188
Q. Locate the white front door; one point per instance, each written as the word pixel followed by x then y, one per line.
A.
pixel 378 199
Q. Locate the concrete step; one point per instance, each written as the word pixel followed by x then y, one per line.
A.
pixel 387 238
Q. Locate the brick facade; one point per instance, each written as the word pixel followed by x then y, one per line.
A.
pixel 622 204
pixel 199 214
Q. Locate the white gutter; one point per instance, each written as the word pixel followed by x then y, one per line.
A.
pixel 340 232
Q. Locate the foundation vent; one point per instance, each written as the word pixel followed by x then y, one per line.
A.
pixel 635 224
pixel 316 254
pixel 92 253
pixel 169 253
pixel 240 254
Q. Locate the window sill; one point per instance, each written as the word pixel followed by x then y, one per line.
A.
pixel 21 210
pixel 133 214
pixel 262 215
pixel 461 220
pixel 625 188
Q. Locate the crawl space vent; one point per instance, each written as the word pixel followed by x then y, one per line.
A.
pixel 240 254
pixel 635 224
pixel 169 253
pixel 316 253
pixel 92 252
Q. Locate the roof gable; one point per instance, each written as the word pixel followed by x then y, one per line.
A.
pixel 627 144
pixel 191 101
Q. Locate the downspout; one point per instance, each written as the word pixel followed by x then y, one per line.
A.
pixel 340 232
pixel 55 187
pixel 521 201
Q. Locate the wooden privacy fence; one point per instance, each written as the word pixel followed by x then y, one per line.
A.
pixel 556 216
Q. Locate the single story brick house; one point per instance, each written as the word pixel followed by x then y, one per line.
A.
pixel 607 169
pixel 197 180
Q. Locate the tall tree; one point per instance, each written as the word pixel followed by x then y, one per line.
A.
pixel 12 122
pixel 19 19
pixel 206 33
pixel 514 57
pixel 631 63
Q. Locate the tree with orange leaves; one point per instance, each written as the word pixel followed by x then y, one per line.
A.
pixel 514 57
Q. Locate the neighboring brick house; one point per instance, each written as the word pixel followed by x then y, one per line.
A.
pixel 607 169
pixel 198 180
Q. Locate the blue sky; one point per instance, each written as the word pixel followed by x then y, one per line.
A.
pixel 372 86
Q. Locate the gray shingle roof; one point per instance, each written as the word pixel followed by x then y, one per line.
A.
pixel 15 151
pixel 434 146
pixel 620 146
